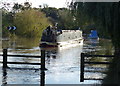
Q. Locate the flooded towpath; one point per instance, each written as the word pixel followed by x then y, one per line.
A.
pixel 63 64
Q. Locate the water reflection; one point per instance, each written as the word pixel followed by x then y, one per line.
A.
pixel 71 54
pixel 42 78
pixel 63 64
pixel 20 43
pixel 4 78
pixel 113 73
pixel 101 47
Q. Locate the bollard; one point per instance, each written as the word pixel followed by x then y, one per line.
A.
pixel 42 59
pixel 4 58
pixel 82 68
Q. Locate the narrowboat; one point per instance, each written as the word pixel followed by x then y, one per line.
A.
pixel 54 37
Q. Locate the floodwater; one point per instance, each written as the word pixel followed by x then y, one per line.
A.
pixel 63 64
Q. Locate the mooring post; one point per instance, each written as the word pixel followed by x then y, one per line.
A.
pixel 82 68
pixel 42 59
pixel 4 58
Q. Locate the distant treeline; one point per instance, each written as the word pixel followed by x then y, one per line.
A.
pixel 30 22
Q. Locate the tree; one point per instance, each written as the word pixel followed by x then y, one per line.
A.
pixel 106 17
pixel 7 20
pixel 102 14
pixel 51 12
pixel 62 16
pixel 27 5
pixel 17 7
pixel 66 19
pixel 30 23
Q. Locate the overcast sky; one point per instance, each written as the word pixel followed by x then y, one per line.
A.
pixel 36 3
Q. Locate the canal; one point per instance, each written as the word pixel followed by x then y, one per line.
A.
pixel 63 64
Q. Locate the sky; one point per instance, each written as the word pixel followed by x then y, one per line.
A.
pixel 50 3
pixel 36 3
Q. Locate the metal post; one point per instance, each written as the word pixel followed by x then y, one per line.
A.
pixel 42 59
pixel 4 58
pixel 82 68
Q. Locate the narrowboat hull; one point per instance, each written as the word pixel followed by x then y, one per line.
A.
pixel 55 38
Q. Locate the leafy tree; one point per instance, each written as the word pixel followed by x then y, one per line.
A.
pixel 7 20
pixel 51 12
pixel 106 17
pixel 30 23
pixel 27 6
pixel 62 16
pixel 17 7
pixel 103 15
pixel 66 20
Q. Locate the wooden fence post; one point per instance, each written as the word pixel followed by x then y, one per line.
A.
pixel 82 68
pixel 42 78
pixel 4 75
pixel 42 59
pixel 4 58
